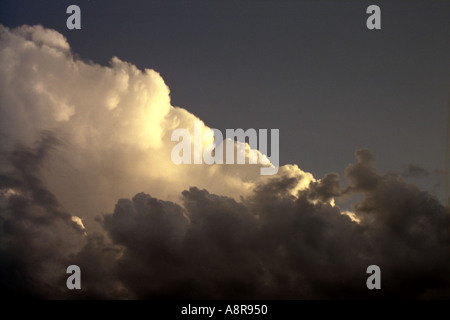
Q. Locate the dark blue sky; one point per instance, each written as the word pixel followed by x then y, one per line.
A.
pixel 310 68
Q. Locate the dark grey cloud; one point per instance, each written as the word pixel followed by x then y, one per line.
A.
pixel 415 171
pixel 326 189
pixel 407 230
pixel 23 180
pixel 97 260
pixel 36 233
pixel 277 246
pixel 270 245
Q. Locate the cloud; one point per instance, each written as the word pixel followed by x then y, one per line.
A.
pixel 86 179
pixel 274 245
pixel 114 124
pixel 37 234
pixel 408 228
pixel 415 171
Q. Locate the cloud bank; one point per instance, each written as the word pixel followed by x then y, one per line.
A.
pixel 114 123
pixel 86 178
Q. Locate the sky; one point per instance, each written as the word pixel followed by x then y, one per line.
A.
pixel 86 175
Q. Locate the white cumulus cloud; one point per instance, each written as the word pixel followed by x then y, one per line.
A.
pixel 114 123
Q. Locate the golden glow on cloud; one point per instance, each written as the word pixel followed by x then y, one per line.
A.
pixel 352 216
pixel 115 124
pixel 79 222
pixel 9 192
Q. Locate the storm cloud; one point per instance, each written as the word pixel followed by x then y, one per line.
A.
pixel 86 179
pixel 274 245
pixel 37 234
pixel 270 245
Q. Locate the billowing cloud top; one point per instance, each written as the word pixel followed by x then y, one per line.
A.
pixel 80 140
